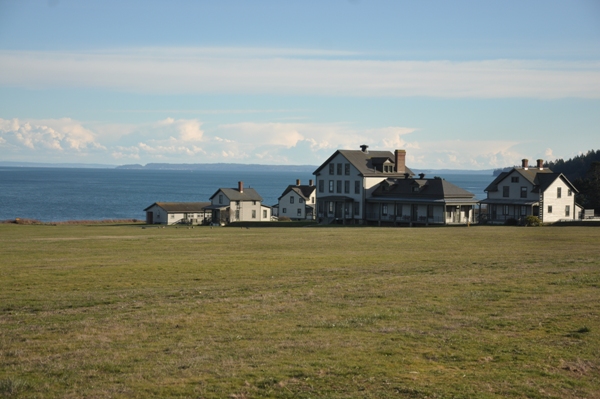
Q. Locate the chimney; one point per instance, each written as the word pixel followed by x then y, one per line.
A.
pixel 540 164
pixel 406 175
pixel 421 175
pixel 297 182
pixel 363 148
pixel 525 164
pixel 311 182
pixel 241 186
pixel 400 161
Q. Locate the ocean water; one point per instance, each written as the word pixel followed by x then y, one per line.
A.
pixel 58 194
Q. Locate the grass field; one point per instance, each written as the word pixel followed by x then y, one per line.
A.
pixel 125 312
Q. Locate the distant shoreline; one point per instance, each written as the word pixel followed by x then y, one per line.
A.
pixel 230 167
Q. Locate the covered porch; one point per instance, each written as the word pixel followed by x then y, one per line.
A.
pixel 499 210
pixel 337 209
pixel 412 212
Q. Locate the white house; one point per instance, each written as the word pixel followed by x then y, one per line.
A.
pixel 424 201
pixel 238 205
pixel 526 191
pixel 348 177
pixel 178 212
pixel 298 201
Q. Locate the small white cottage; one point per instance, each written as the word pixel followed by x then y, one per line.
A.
pixel 178 212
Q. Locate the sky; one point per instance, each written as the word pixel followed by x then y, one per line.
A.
pixel 457 84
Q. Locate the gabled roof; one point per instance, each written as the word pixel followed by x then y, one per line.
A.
pixel 540 179
pixel 181 206
pixel 233 194
pixel 433 189
pixel 303 191
pixel 366 162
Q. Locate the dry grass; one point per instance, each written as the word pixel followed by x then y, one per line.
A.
pixel 121 311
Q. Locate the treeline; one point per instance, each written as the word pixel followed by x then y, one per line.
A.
pixel 584 171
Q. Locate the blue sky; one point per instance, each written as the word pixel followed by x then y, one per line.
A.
pixel 459 85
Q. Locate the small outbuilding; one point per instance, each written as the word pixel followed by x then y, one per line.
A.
pixel 178 212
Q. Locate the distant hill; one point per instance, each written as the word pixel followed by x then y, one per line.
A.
pixel 56 165
pixel 221 167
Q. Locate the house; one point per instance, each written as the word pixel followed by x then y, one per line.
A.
pixel 420 200
pixel 348 178
pixel 238 205
pixel 298 201
pixel 178 212
pixel 525 191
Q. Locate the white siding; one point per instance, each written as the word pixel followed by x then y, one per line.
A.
pixel 558 205
pixel 514 188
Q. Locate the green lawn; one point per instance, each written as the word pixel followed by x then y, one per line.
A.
pixel 125 311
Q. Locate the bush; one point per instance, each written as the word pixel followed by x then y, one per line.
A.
pixel 532 221
pixel 284 219
pixel 511 222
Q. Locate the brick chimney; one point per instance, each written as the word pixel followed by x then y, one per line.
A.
pixel 297 182
pixel 364 148
pixel 241 186
pixel 400 161
pixel 540 164
pixel 525 164
pixel 311 182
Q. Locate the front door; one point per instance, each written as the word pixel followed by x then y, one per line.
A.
pixel 149 217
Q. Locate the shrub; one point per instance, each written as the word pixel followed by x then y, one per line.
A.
pixel 284 219
pixel 532 221
pixel 511 222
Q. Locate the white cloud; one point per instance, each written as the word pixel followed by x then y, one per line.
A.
pixel 296 72
pixel 56 135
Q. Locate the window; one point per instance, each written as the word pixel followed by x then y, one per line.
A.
pixel 523 192
pixel 415 189
pixel 330 207
pixel 253 202
pixel 357 187
pixel 356 208
pixel 505 210
pixel 514 179
pixel 321 186
pixel 264 214
pixel 430 211
pixel 312 200
pixel 284 210
pixel 347 186
pixel 331 169
pixel 549 208
pixel 523 210
pixel 299 212
pixel 172 216
pixel 237 214
pixel 253 213
pixel 291 200
pixel 569 192
pixel 347 169
pixel 384 209
pixel 220 198
pixel 558 192
pixel 347 209
pixel 300 200
pixel 339 186
pixel 505 191
pixel 331 183
pixel 567 210
pixel 339 168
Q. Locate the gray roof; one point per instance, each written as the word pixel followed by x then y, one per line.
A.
pixel 428 189
pixel 249 194
pixel 303 191
pixel 181 206
pixel 367 162
pixel 540 179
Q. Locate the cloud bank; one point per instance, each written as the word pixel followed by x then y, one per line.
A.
pixel 296 72
pixel 185 141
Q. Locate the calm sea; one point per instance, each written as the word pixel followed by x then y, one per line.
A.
pixel 58 194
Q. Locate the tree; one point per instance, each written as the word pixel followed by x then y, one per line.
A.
pixel 589 188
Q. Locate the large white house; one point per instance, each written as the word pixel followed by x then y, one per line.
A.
pixel 348 177
pixel 238 205
pixel 178 212
pixel 526 191
pixel 298 201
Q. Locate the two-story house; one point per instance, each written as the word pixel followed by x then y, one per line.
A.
pixel 526 191
pixel 298 201
pixel 238 205
pixel 348 177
